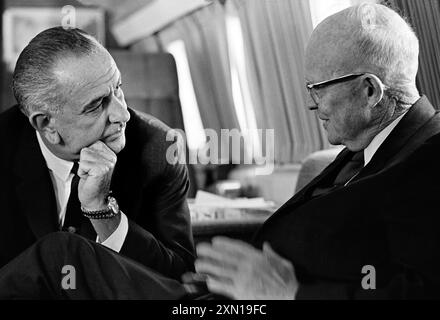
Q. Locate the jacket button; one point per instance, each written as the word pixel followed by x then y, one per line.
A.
pixel 71 229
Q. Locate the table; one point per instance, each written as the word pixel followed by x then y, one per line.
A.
pixel 243 227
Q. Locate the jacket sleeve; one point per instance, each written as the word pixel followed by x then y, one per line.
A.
pixel 409 216
pixel 404 285
pixel 162 238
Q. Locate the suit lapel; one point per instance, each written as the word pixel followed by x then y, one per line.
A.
pixel 34 187
pixel 128 172
pixel 329 172
pixel 405 136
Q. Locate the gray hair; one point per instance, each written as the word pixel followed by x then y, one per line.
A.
pixel 34 84
pixel 388 44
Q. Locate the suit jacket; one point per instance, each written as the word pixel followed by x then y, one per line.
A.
pixel 385 218
pixel 150 192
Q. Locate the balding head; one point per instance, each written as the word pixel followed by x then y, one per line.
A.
pixel 366 38
pixel 35 84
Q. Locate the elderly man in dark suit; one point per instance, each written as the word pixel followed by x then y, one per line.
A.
pixel 75 158
pixel 364 228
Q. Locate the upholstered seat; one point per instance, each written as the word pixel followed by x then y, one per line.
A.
pixel 314 164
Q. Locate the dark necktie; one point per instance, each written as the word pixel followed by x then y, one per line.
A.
pixel 347 173
pixel 350 170
pixel 74 221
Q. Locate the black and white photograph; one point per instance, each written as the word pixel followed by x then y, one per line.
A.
pixel 220 154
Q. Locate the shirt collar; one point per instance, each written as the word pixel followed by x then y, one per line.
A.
pixel 379 139
pixel 61 168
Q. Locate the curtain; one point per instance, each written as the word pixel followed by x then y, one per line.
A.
pixel 424 16
pixel 275 35
pixel 204 35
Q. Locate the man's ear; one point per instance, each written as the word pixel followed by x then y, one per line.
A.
pixel 44 124
pixel 373 89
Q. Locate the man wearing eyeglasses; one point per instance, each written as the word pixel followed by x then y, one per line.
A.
pixel 367 226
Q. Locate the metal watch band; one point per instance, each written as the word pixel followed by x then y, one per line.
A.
pixel 111 211
pixel 100 215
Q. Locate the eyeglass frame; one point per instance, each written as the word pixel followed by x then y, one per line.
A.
pixel 351 76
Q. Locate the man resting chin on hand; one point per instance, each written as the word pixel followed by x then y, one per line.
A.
pixel 78 159
pixel 95 171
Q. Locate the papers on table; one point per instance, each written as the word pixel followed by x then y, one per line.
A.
pixel 211 206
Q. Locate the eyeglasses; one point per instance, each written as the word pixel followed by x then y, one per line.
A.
pixel 314 87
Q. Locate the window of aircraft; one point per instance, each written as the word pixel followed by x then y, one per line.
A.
pixel 240 87
pixel 191 116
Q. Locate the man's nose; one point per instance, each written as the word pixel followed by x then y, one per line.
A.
pixel 118 111
pixel 310 103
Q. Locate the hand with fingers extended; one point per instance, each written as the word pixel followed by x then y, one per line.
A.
pixel 96 166
pixel 237 270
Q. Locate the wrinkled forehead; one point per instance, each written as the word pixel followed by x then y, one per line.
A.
pixel 73 69
pixel 334 47
pixel 329 54
pixel 82 77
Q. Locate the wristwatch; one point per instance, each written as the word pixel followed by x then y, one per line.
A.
pixel 111 211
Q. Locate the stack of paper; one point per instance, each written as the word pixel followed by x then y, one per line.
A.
pixel 211 206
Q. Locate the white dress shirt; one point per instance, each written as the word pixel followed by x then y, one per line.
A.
pixel 379 139
pixel 60 173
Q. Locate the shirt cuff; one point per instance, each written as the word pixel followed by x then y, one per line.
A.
pixel 117 238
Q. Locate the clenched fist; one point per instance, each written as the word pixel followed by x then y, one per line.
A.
pixel 96 166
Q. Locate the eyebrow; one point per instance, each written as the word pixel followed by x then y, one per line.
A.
pixel 91 103
pixel 88 105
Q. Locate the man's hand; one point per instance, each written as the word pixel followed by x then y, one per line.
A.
pixel 96 166
pixel 237 270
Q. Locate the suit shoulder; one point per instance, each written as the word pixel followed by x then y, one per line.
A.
pixel 146 128
pixel 12 114
pixel 151 141
pixel 11 122
pixel 147 120
pixel 12 125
